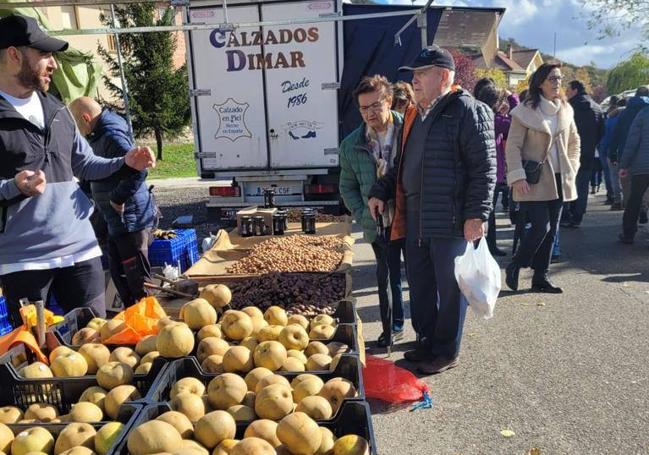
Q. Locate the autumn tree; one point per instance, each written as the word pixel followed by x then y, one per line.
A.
pixel 464 70
pixel 499 77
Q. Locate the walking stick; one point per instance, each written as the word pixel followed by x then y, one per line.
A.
pixel 381 233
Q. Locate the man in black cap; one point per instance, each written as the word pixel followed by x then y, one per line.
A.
pixel 444 186
pixel 46 239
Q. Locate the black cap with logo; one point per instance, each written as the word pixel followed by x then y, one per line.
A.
pixel 430 57
pixel 16 30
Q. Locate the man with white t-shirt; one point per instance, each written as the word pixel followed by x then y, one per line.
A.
pixel 46 240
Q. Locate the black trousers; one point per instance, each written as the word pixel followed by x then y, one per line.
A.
pixel 80 285
pixel 639 185
pixel 388 280
pixel 437 307
pixel 129 264
pixel 535 248
pixel 491 225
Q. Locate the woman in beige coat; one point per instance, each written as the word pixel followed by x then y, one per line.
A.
pixel 543 131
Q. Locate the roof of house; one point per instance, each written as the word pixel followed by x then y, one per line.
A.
pixel 501 62
pixel 524 56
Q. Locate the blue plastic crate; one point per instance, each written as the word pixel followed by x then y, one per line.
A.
pixel 183 248
pixel 5 327
pixel 4 311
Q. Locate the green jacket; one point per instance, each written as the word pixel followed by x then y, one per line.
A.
pixel 358 174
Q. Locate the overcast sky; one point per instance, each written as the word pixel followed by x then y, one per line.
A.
pixel 534 22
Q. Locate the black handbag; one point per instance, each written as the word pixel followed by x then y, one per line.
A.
pixel 533 171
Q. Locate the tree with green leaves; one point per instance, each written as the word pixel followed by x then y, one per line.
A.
pixel 612 17
pixel 158 93
pixel 629 74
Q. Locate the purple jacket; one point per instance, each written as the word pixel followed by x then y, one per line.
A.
pixel 502 124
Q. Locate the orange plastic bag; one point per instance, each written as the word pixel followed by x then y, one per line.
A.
pixel 141 320
pixel 22 335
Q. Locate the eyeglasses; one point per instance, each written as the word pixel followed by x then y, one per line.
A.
pixel 554 78
pixel 374 107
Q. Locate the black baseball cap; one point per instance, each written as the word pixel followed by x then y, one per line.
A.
pixel 17 30
pixel 432 56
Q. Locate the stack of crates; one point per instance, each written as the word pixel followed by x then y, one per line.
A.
pixel 5 323
pixel 183 249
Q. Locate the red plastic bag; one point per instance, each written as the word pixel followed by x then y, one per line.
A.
pixel 387 382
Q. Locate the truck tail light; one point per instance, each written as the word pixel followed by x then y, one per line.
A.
pixel 320 189
pixel 225 191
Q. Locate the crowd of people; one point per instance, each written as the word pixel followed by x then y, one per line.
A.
pixel 423 174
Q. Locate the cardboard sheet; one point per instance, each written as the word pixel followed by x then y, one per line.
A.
pixel 231 247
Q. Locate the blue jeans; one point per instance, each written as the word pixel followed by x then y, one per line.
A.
pixel 388 272
pixel 437 306
pixel 607 176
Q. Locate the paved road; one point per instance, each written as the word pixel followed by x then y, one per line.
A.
pixel 567 374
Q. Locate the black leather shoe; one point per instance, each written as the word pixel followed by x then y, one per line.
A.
pixel 382 342
pixel 437 365
pixel 511 276
pixel 544 285
pixel 497 252
pixel 624 239
pixel 420 354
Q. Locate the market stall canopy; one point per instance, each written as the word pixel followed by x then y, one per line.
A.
pixel 78 73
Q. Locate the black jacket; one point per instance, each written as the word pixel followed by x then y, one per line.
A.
pixel 111 138
pixel 458 168
pixel 589 119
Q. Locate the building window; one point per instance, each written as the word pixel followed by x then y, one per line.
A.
pixel 69 17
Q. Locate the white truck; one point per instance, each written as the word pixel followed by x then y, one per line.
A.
pixel 267 99
pixel 265 104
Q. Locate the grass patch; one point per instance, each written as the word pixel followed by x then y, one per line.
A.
pixel 177 161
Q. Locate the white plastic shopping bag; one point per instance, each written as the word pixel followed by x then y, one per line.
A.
pixel 478 275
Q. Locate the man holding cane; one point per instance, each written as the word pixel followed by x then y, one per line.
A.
pixel 444 186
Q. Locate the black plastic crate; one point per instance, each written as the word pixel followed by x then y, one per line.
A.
pixel 345 333
pixel 354 417
pixel 349 368
pixel 346 312
pixel 63 392
pixel 129 413
pixel 72 322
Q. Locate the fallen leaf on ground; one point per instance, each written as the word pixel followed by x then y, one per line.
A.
pixel 534 451
pixel 540 304
pixel 507 433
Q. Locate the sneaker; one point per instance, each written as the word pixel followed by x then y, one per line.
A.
pixel 437 365
pixel 544 285
pixel 555 258
pixel 383 340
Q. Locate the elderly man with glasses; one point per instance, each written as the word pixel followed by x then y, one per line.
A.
pixel 366 155
pixel 443 187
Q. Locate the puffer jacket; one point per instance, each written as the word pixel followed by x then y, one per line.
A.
pixel 111 139
pixel 589 119
pixel 358 174
pixel 618 140
pixel 636 151
pixel 458 168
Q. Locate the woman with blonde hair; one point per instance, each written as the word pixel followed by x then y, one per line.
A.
pixel 542 156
